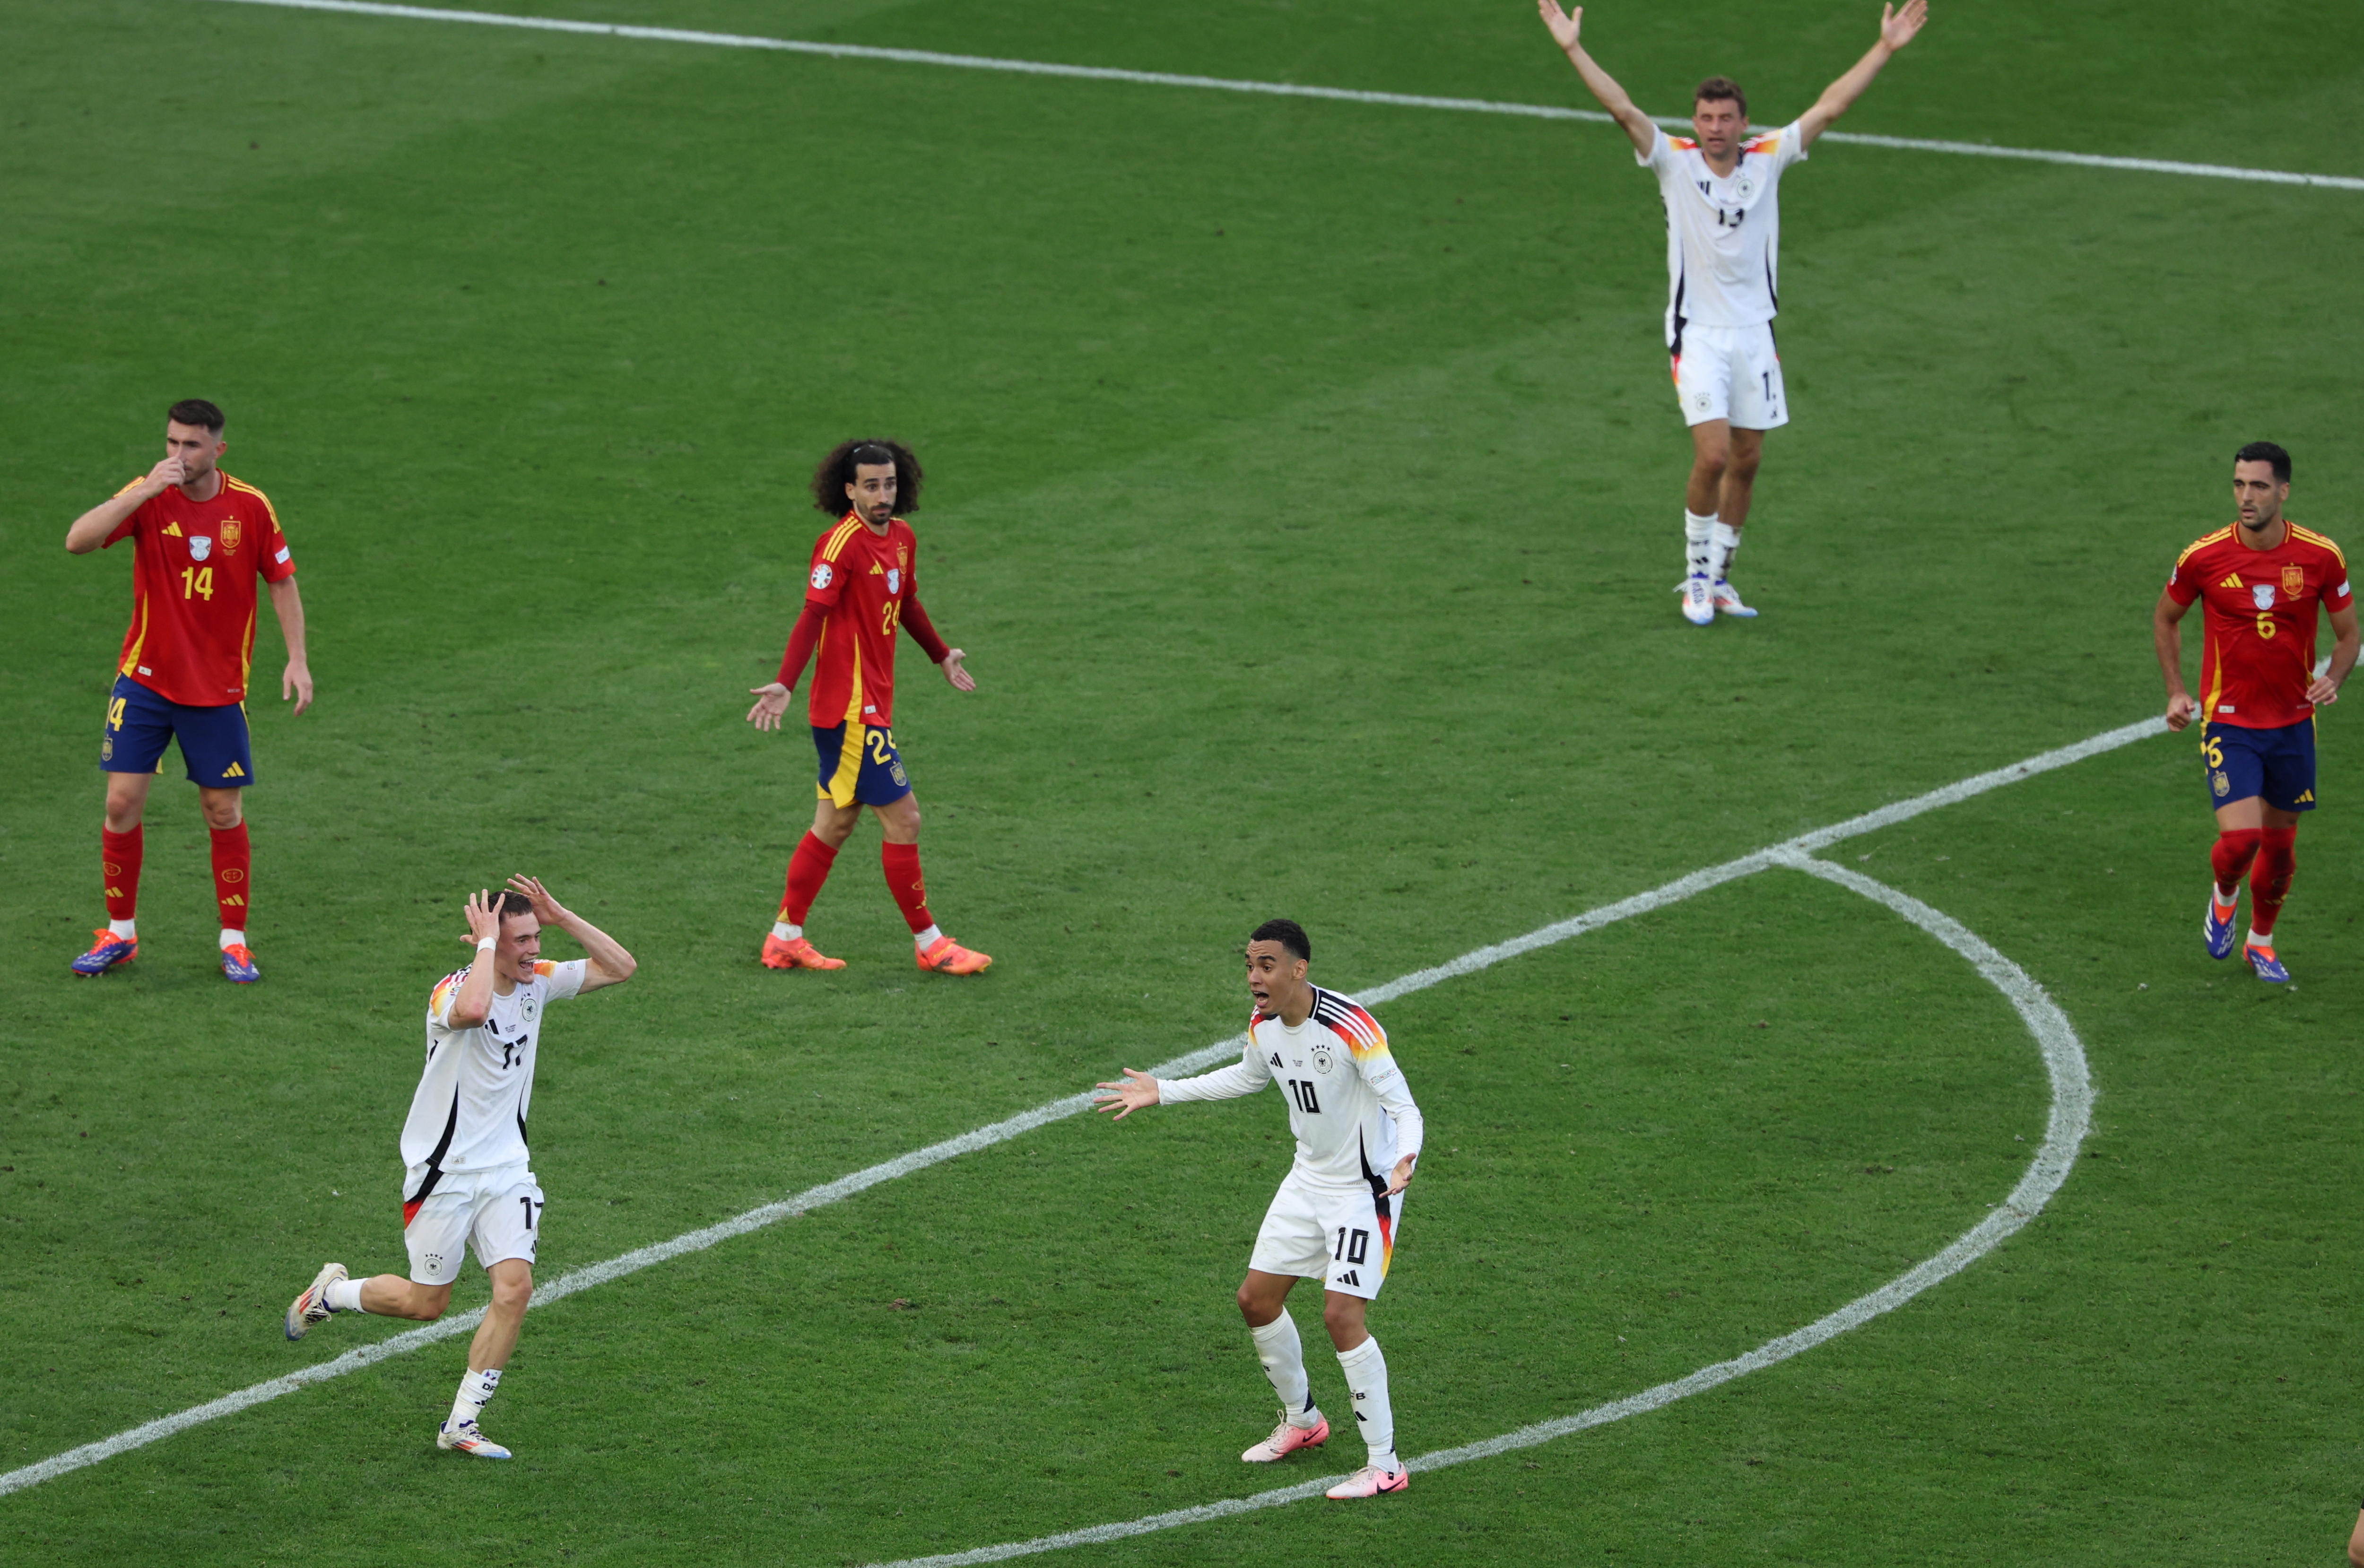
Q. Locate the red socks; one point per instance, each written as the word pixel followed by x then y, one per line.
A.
pixel 233 857
pixel 120 852
pixel 904 881
pixel 2269 883
pixel 808 869
pixel 2236 847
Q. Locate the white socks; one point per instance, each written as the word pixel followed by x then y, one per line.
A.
pixel 1722 544
pixel 2227 900
pixel 1283 1354
pixel 925 940
pixel 1698 532
pixel 344 1296
pixel 127 929
pixel 787 932
pixel 475 1389
pixel 232 937
pixel 1366 1374
pixel 2257 938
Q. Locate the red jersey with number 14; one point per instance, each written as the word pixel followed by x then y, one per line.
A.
pixel 861 579
pixel 193 565
pixel 2259 622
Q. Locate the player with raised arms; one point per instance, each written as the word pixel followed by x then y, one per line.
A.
pixel 200 540
pixel 468 1180
pixel 863 583
pixel 1339 1211
pixel 1722 187
pixel 2262 578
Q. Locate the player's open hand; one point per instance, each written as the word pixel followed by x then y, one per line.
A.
pixel 1897 28
pixel 296 684
pixel 2180 708
pixel 1137 1093
pixel 770 703
pixel 483 915
pixel 1565 25
pixel 1400 1177
pixel 957 672
pixel 546 909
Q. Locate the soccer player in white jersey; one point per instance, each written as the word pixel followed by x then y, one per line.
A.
pixel 1724 256
pixel 1340 1209
pixel 469 1182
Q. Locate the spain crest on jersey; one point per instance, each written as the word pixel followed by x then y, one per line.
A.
pixel 2293 581
pixel 231 533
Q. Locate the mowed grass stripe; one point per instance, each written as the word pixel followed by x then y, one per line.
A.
pixel 1276 89
pixel 1789 852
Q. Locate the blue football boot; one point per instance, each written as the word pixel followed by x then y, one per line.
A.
pixel 2268 966
pixel 238 962
pixel 2217 927
pixel 110 951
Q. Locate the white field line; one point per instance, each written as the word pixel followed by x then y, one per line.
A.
pixel 1001 1131
pixel 2072 1103
pixel 1273 89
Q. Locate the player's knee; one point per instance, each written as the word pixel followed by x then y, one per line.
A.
pixel 511 1292
pixel 425 1302
pixel 221 810
pixel 1343 1318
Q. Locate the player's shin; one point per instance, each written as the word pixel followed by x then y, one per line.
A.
pixel 2234 848
pixel 808 869
pixel 233 864
pixel 2269 882
pixel 475 1388
pixel 1283 1355
pixel 901 863
pixel 1722 544
pixel 1698 542
pixel 1367 1376
pixel 120 855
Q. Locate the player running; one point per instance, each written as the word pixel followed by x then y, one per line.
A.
pixel 469 1182
pixel 199 541
pixel 864 583
pixel 1337 1215
pixel 1724 247
pixel 2262 579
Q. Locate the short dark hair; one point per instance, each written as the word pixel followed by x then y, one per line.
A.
pixel 196 411
pixel 1289 934
pixel 1717 88
pixel 2267 451
pixel 509 904
pixel 836 471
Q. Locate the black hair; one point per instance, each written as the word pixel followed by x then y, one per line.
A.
pixel 836 471
pixel 196 411
pixel 1289 934
pixel 2267 451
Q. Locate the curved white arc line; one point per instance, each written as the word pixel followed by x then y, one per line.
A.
pixel 1659 898
pixel 1274 89
pixel 2072 1103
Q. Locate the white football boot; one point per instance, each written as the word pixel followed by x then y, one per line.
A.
pixel 1370 1481
pixel 312 1306
pixel 1698 600
pixel 465 1439
pixel 1286 1439
pixel 1727 599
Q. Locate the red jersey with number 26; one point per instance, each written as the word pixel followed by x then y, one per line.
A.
pixel 194 565
pixel 861 581
pixel 2259 622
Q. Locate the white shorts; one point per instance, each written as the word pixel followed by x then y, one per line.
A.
pixel 498 1213
pixel 1731 372
pixel 1344 1236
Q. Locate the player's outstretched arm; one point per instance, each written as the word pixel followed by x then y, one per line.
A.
pixel 1565 26
pixel 2167 637
pixel 89 531
pixel 288 606
pixel 610 963
pixel 1897 29
pixel 1137 1093
pixel 2325 690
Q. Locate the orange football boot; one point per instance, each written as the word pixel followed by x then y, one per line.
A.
pixel 946 956
pixel 795 952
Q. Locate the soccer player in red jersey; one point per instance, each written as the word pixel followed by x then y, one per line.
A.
pixel 862 587
pixel 2262 579
pixel 200 540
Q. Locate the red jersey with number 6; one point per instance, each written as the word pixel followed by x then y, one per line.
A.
pixel 2259 656
pixel 193 565
pixel 861 579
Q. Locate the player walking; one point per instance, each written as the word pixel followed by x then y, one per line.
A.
pixel 464 1142
pixel 1339 1209
pixel 1723 246
pixel 199 540
pixel 2262 579
pixel 864 583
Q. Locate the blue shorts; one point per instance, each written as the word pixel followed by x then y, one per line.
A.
pixel 858 764
pixel 212 740
pixel 2278 764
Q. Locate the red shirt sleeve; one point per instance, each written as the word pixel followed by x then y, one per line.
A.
pixel 827 580
pixel 802 639
pixel 129 526
pixel 2183 587
pixel 922 629
pixel 2335 594
pixel 276 562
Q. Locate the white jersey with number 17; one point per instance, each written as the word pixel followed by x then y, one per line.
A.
pixel 1723 231
pixel 469 1113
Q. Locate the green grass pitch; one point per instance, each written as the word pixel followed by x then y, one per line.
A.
pixel 1302 486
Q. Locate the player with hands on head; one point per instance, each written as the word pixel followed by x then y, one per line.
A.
pixel 862 584
pixel 200 541
pixel 1339 1211
pixel 2263 578
pixel 468 1182
pixel 1724 241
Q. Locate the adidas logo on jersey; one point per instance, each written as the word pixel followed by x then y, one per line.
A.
pixel 234 771
pixel 2231 582
pixel 173 531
